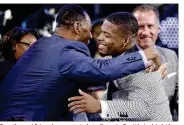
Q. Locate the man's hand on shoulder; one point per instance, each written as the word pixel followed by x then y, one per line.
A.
pixel 152 54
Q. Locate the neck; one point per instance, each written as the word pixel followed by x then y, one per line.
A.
pixel 65 33
pixel 130 46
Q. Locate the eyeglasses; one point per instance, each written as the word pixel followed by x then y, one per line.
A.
pixel 27 44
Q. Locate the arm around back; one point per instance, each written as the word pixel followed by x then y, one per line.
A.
pixel 75 62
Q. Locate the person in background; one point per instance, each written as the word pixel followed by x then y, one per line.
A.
pixel 93 45
pixel 12 45
pixel 95 30
pixel 148 20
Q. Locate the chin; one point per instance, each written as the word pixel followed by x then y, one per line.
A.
pixel 102 54
pixel 145 45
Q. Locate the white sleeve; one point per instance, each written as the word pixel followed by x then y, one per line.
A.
pixel 104 109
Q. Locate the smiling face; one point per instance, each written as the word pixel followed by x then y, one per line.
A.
pixel 148 28
pixel 111 40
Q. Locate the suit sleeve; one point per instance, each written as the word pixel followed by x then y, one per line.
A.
pixel 176 60
pixel 75 62
pixel 175 98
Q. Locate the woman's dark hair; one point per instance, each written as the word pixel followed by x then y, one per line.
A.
pixel 9 40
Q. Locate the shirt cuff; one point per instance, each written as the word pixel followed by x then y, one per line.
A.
pixel 144 58
pixel 104 109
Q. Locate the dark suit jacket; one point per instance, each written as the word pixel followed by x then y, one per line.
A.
pixel 170 57
pixel 39 85
pixel 170 84
pixel 5 68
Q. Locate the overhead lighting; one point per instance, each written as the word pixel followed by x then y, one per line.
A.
pixel 7 16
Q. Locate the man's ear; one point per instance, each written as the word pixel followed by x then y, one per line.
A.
pixel 126 41
pixel 77 26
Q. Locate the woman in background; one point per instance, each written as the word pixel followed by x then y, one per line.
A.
pixel 12 45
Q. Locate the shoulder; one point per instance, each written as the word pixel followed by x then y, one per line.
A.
pixel 147 76
pixel 168 55
pixel 76 46
pixel 67 45
pixel 165 50
pixel 141 77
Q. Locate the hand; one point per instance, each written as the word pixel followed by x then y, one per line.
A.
pixel 84 103
pixel 151 67
pixel 152 54
pixel 157 62
pixel 163 70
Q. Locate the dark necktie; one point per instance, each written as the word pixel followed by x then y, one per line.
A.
pixel 111 88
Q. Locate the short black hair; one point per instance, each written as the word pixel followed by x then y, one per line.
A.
pixel 125 21
pixel 147 7
pixel 10 38
pixel 68 14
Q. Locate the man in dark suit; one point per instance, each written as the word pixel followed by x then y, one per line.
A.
pixel 51 71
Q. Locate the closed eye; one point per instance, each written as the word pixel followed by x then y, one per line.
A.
pixel 106 34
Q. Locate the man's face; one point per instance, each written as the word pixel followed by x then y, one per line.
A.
pixel 149 28
pixel 110 41
pixel 85 33
pixel 24 43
